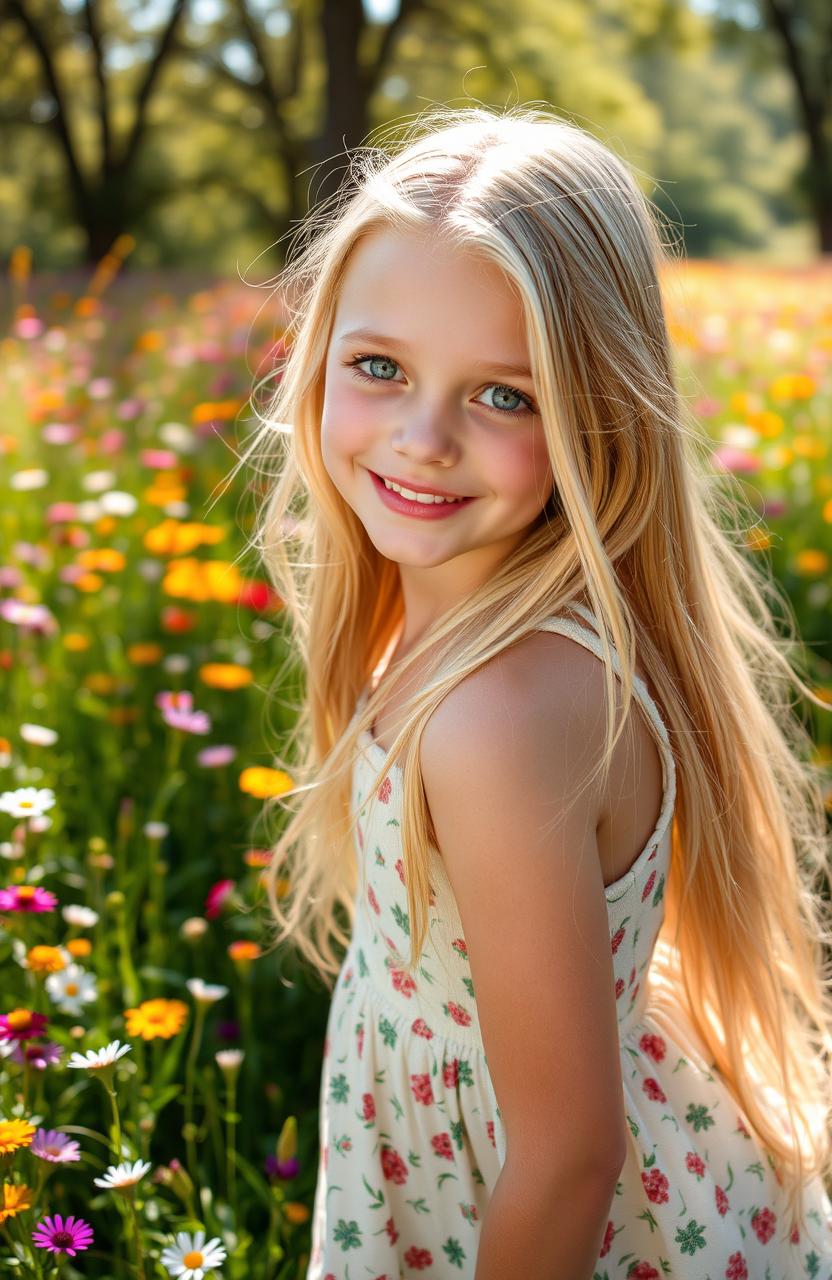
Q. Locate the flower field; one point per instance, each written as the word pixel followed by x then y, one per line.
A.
pixel 159 1066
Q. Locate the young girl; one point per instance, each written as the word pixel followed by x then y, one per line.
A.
pixel 552 797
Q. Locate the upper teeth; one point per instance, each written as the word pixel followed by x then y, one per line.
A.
pixel 417 497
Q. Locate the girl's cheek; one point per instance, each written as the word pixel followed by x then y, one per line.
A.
pixel 520 467
pixel 346 425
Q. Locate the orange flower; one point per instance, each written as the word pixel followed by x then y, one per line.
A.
pixel 145 654
pixel 225 675
pixel 202 580
pixel 15 1134
pixel 156 1019
pixel 261 782
pixel 75 642
pixel 89 583
pixel 16 1198
pixel 243 951
pixel 811 561
pixel 43 959
pixel 295 1212
pixel 79 948
pixel 105 559
pixel 172 537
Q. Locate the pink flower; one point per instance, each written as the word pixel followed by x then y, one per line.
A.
pixel 217 898
pixel 37 1055
pixel 737 1270
pixel 654 1090
pixel 215 757
pixel 54 1146
pixel 422 1091
pixel 656 1185
pixel 59 1235
pixel 441 1144
pixel 27 897
pixel 695 1164
pixel 21 1024
pixel 762 1224
pixel 177 711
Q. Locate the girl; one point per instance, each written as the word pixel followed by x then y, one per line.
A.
pixel 581 1025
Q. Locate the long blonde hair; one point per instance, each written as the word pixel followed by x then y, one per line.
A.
pixel 638 525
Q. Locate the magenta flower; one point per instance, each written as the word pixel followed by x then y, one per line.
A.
pixel 54 1146
pixel 177 711
pixel 37 1055
pixel 32 617
pixel 27 897
pixel 21 1024
pixel 217 897
pixel 215 757
pixel 63 1235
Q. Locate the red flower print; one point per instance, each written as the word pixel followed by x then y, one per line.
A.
pixel 643 1271
pixel 489 1129
pixel 695 1164
pixel 634 993
pixel 617 938
pixel 742 1127
pixel 458 1014
pixel 392 1233
pixel 654 1090
pixel 794 1238
pixel 721 1202
pixel 400 869
pixel 369 1112
pixel 450 1073
pixel 736 1269
pixel 391 946
pixel 403 982
pixel 651 880
pixel 608 1238
pixel 422 1092
pixel 442 1146
pixel 359 1035
pixel 392 1166
pixel 373 901
pixel 420 1028
pixel 653 854
pixel 418 1259
pixel 619 987
pixel 762 1224
pixel 385 791
pixel 330 1276
pixel 632 976
pixel 653 1046
pixel 656 1185
pixel 460 946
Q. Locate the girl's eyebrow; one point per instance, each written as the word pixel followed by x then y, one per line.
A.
pixel 495 366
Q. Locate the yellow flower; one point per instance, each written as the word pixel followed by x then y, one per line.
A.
pixel 294 1211
pixel 757 540
pixel 150 340
pixel 100 682
pixel 225 675
pixel 105 559
pixel 808 446
pixel 14 1134
pixel 173 537
pixel 79 948
pixel 811 561
pixel 89 582
pixel 792 386
pixel 202 580
pixel 156 1019
pixel 144 654
pixel 261 782
pixel 43 959
pixel 75 642
pixel 17 1198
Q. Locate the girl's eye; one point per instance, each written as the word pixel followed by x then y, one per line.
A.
pixel 502 391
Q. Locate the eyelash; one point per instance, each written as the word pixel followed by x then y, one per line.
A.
pixel 503 386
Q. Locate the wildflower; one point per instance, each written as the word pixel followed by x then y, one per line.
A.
pixel 15 1198
pixel 80 917
pixel 27 802
pixel 15 1134
pixel 118 503
pixel 243 951
pixel 154 1019
pixel 194 928
pixel 54 1146
pixel 177 711
pixel 99 1059
pixel 190 1257
pixel 38 1055
pixel 295 1211
pixel 31 478
pixel 27 897
pixel 229 1061
pixel 21 1024
pixel 257 857
pixel 262 782
pixel 38 735
pixel 60 1235
pixel 123 1176
pixel 218 895
pixel 225 675
pixel 71 989
pixel 32 617
pixel 155 830
pixel 79 948
pixel 216 756
pixel 44 959
pixel 205 992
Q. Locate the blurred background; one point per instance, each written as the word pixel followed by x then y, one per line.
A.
pixel 156 158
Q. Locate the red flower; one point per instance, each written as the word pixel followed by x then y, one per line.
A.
pixel 218 896
pixel 721 1202
pixel 422 1091
pixel 489 1129
pixel 400 870
pixel 695 1164
pixel 420 1028
pixel 373 900
pixel 656 1185
pixel 402 982
pixel 794 1238
pixel 651 880
pixel 461 947
pixel 392 1233
pixel 619 987
pixel 608 1238
pixel 442 1146
pixel 736 1269
pixel 654 1090
pixel 254 594
pixel 418 1259
pixel 617 938
pixel 762 1224
pixel 642 1271
pixel 392 1166
pixel 450 1073
pixel 385 791
pixel 458 1014
pixel 653 1046
pixel 632 976
pixel 359 1033
pixel 369 1107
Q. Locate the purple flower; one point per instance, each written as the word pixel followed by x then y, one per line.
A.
pixel 63 1235
pixel 37 1055
pixel 177 711
pixel 54 1146
pixel 281 1168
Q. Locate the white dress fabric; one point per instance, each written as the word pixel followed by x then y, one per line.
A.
pixel 411 1139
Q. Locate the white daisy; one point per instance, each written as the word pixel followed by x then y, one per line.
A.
pixel 27 802
pixel 205 992
pixel 190 1258
pixel 81 917
pixel 229 1059
pixel 38 735
pixel 120 1176
pixel 95 1059
pixel 71 988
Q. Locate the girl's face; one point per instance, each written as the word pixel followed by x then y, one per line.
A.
pixel 435 394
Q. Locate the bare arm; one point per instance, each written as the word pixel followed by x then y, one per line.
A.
pixel 503 758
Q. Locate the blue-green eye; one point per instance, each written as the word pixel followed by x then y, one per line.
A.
pixel 501 388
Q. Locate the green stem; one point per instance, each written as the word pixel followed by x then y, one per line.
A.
pixel 137 1236
pixel 190 1073
pixel 230 1139
pixel 116 1121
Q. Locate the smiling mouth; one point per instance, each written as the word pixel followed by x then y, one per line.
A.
pixel 426 496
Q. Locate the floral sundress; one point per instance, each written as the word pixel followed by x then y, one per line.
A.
pixel 411 1139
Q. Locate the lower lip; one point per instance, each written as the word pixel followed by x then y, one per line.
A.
pixel 422 510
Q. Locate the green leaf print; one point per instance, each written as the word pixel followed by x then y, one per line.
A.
pixel 469 987
pixel 757 1168
pixel 647 1217
pixel 339 1089
pixel 419 1205
pixel 457 1130
pixel 443 1177
pixel 812 1264
pixel 363 970
pixel 691 1237
pixel 397 1106
pixel 402 919
pixel 466 1075
pixel 659 894
pixel 389 1034
pixel 348 1234
pixel 477 1177
pixel 634 1130
pixel 376 1200
pixel 699 1117
pixel 379 857
pixel 455 1251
